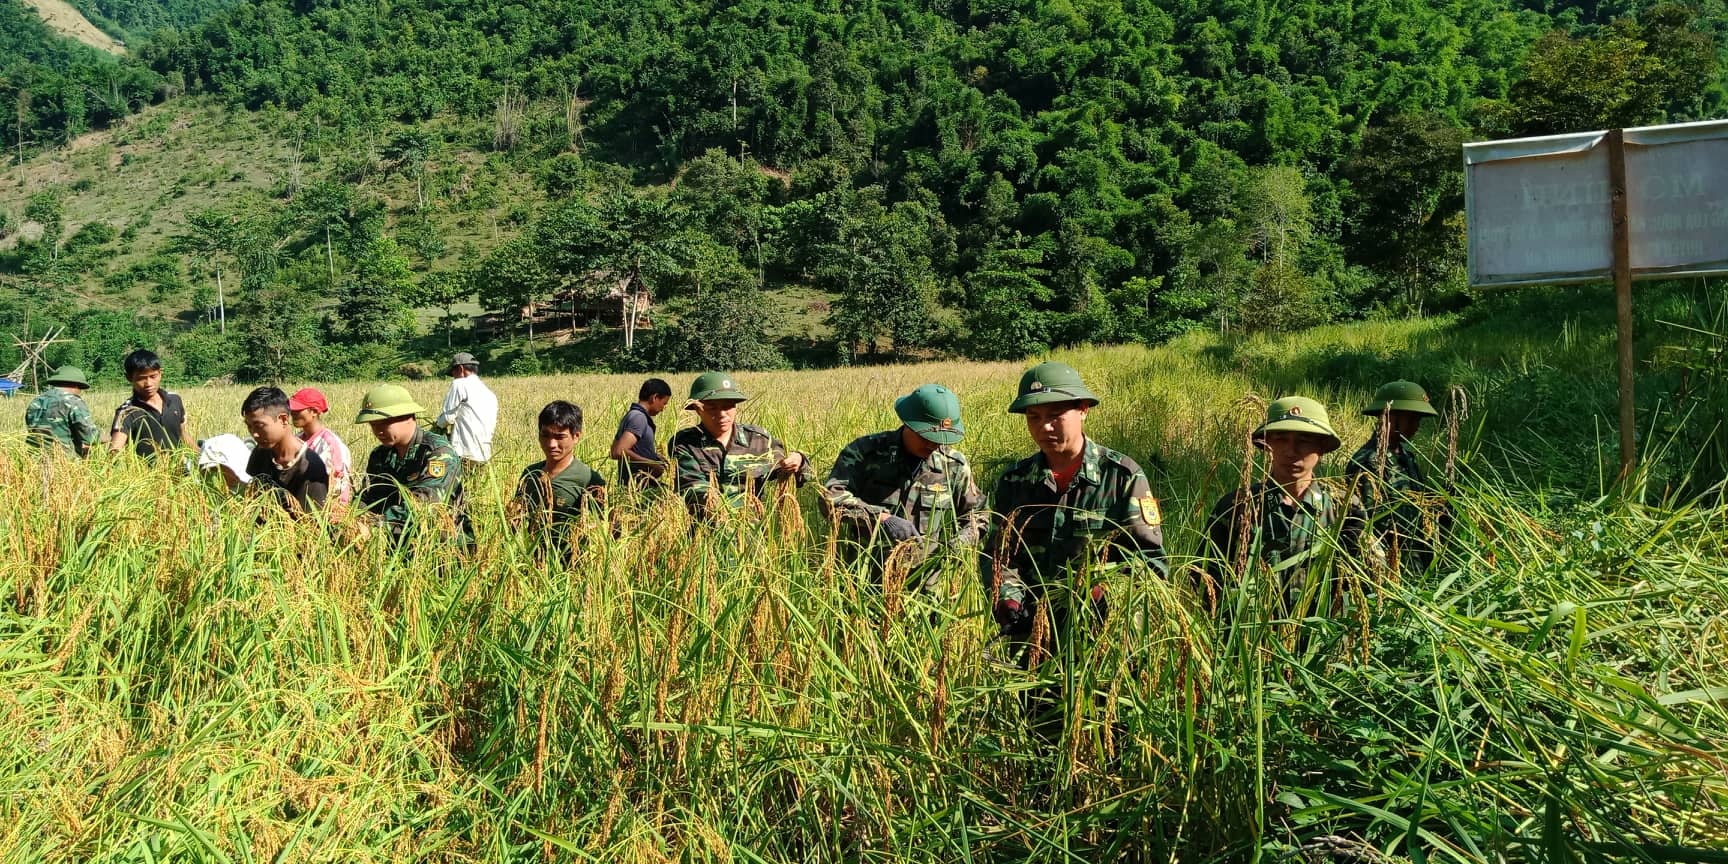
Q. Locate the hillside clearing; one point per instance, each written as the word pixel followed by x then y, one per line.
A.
pixel 63 18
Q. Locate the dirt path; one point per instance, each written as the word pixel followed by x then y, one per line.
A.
pixel 64 19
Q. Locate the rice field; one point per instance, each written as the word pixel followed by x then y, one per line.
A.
pixel 187 682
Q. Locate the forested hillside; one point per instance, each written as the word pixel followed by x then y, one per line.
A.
pixel 831 181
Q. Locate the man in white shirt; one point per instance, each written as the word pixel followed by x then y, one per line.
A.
pixel 470 412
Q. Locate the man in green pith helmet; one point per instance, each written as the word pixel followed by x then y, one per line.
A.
pixel 1406 511
pixel 1292 521
pixel 720 456
pixel 58 415
pixel 410 465
pixel 1074 504
pixel 909 484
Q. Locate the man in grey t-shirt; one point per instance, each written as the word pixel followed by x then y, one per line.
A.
pixel 639 463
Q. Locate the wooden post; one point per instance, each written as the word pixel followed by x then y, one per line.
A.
pixel 1622 296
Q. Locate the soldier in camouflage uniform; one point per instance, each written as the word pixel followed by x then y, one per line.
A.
pixel 723 459
pixel 909 484
pixel 1406 511
pixel 1293 521
pixel 1073 506
pixel 409 466
pixel 58 416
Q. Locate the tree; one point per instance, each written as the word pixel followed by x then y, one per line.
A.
pixel 370 307
pixel 211 238
pixel 443 291
pixel 1404 190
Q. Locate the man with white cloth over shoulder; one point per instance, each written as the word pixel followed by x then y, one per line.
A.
pixel 470 413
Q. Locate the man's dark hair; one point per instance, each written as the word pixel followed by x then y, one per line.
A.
pixel 651 388
pixel 473 368
pixel 563 415
pixel 270 399
pixel 141 360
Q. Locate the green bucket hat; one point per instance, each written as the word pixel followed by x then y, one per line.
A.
pixel 1050 382
pixel 1400 396
pixel 69 376
pixel 387 402
pixel 713 385
pixel 932 411
pixel 1298 414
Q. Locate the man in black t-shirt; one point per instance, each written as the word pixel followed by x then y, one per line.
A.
pixel 153 420
pixel 282 465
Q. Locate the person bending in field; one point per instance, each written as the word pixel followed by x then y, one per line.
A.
pixel 1289 525
pixel 153 420
pixel 723 461
pixel 908 485
pixel 412 472
pixel 282 466
pixel 58 418
pixel 639 463
pixel 554 493
pixel 308 407
pixel 1069 513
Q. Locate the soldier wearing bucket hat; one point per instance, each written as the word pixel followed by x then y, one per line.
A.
pixel 1408 514
pixel 58 417
pixel 1073 504
pixel 908 483
pixel 1291 520
pixel 409 466
pixel 722 458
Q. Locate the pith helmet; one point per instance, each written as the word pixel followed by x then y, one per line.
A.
pixel 69 376
pixel 1400 396
pixel 387 402
pixel 1050 382
pixel 714 385
pixel 1298 414
pixel 932 411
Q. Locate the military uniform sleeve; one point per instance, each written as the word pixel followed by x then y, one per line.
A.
pixel 1141 534
pixel 1222 529
pixel 379 494
pixel 806 471
pixel 838 499
pixel 85 434
pixel 1000 552
pixel 692 479
pixel 437 478
pixel 970 512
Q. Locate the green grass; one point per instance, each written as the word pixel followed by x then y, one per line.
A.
pixel 184 685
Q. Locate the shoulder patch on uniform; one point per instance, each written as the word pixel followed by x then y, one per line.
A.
pixel 1149 512
pixel 435 468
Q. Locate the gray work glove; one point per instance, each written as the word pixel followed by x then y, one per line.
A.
pixel 898 529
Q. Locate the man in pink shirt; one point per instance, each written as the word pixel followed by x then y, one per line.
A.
pixel 309 407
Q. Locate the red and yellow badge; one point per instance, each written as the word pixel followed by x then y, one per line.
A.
pixel 1149 510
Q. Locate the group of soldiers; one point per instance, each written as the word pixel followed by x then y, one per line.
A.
pixel 1053 523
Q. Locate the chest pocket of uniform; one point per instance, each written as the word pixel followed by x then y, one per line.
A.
pixel 931 501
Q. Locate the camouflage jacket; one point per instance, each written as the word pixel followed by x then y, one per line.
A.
pixel 57 417
pixel 1107 514
pixel 734 471
pixel 430 473
pixel 1408 514
pixel 1285 534
pixel 876 474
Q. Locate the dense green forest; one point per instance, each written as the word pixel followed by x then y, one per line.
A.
pixel 901 178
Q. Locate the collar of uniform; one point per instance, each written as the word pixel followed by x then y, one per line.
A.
pixel 1091 458
pixel 415 442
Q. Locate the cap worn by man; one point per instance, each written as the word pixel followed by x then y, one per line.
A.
pixel 713 386
pixel 69 376
pixel 462 358
pixel 1298 414
pixel 932 411
pixel 1400 396
pixel 309 397
pixel 1050 382
pixel 387 402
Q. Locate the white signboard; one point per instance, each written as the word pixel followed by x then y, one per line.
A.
pixel 1537 209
